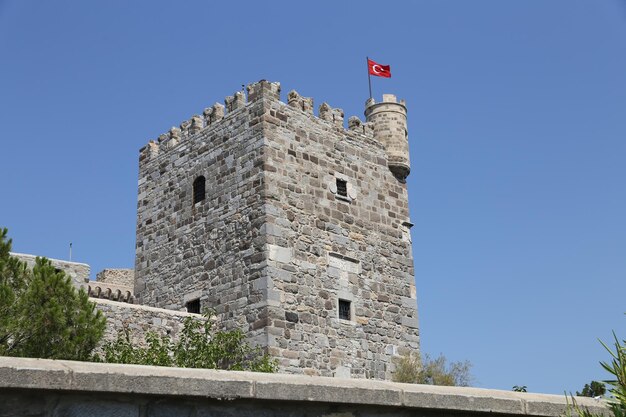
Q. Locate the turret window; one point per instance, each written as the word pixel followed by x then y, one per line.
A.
pixel 199 192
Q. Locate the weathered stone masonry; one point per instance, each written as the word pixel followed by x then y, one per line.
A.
pixel 140 320
pixel 301 219
pixel 76 271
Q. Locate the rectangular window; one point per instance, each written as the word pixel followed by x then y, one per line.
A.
pixel 342 188
pixel 193 306
pixel 344 309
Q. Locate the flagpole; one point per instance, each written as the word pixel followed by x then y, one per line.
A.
pixel 369 77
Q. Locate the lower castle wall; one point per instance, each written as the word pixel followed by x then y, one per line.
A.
pixel 140 320
pixel 107 291
pixel 78 272
pixel 125 277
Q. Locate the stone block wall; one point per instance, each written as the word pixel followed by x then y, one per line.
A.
pixel 103 290
pixel 210 250
pixel 325 247
pixel 113 284
pixel 124 277
pixel 78 272
pixel 140 320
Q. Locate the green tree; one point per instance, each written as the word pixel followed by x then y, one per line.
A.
pixel 520 388
pixel 42 315
pixel 594 389
pixel 199 346
pixel 412 369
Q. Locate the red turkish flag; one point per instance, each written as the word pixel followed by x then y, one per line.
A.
pixel 378 70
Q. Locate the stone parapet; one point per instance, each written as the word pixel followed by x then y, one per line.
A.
pixel 124 277
pixel 78 272
pixel 111 284
pixel 217 114
pixel 108 291
pixel 48 387
pixel 212 117
pixel 140 320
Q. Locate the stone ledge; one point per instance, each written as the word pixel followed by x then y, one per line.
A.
pixel 27 257
pixel 104 301
pixel 42 374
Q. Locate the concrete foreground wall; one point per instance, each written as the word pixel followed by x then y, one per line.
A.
pixel 38 387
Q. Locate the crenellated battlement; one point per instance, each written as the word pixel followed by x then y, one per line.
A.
pixel 213 114
pixel 109 291
pixel 297 101
pixel 234 102
pixel 210 117
pixel 330 114
pixel 219 113
pixel 263 89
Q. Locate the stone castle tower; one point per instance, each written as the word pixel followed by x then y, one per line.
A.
pixel 289 226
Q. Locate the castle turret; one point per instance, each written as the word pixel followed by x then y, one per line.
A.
pixel 389 121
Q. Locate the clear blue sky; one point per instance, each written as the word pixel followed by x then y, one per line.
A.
pixel 517 126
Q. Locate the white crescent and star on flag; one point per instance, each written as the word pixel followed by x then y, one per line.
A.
pixel 377 69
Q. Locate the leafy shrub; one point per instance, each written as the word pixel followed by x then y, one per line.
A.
pixel 412 369
pixel 199 346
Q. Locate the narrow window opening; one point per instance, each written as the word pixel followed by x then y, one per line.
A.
pixel 342 188
pixel 193 306
pixel 344 309
pixel 199 189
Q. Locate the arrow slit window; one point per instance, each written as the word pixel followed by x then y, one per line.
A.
pixel 199 191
